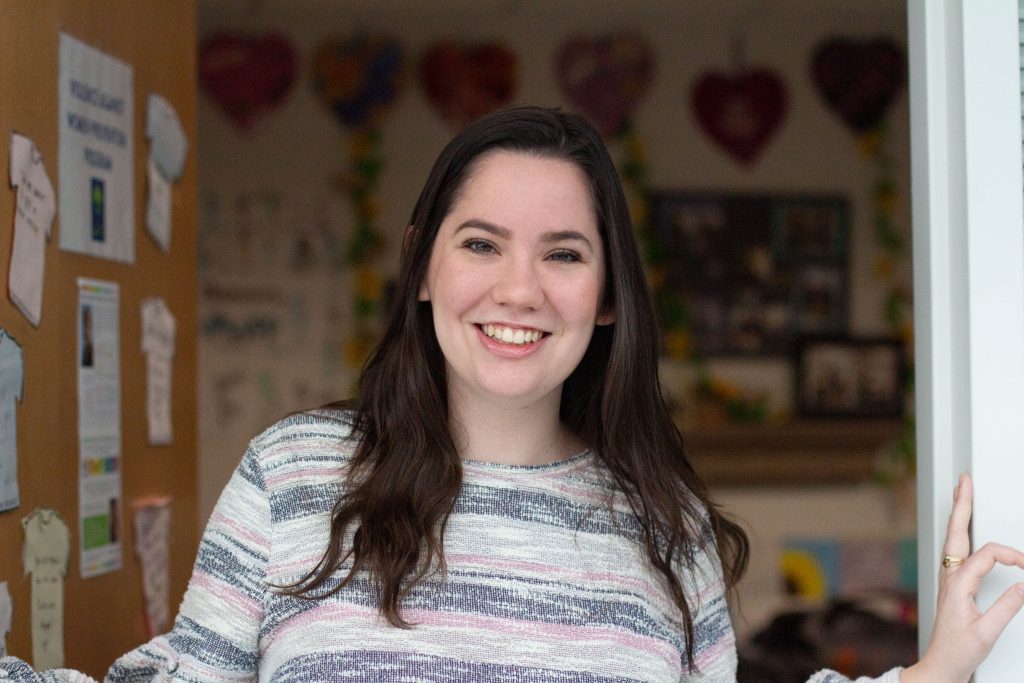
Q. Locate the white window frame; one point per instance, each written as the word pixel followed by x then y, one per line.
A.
pixel 968 208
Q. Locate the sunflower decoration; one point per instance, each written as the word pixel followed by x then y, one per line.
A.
pixel 803 575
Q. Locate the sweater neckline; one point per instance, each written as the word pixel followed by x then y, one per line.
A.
pixel 556 466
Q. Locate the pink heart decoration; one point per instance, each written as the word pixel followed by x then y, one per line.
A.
pixel 859 80
pixel 246 76
pixel 464 82
pixel 605 78
pixel 740 113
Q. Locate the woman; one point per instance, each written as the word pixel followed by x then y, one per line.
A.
pixel 507 498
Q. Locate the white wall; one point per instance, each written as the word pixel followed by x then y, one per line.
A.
pixel 298 148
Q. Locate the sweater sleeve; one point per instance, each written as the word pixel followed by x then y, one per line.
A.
pixel 829 676
pixel 215 636
pixel 714 642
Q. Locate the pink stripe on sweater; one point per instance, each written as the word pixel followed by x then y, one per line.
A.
pixel 240 531
pixel 332 473
pixel 228 595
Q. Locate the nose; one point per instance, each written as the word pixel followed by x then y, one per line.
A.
pixel 518 285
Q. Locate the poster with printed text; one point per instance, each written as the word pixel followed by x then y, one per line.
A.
pixel 97 200
pixel 99 426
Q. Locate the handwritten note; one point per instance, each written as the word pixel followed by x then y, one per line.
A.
pixel 158 345
pixel 35 209
pixel 45 556
pixel 152 545
pixel 6 612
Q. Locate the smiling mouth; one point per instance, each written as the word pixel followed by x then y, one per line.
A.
pixel 509 335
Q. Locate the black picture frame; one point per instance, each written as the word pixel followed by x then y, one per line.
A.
pixel 746 274
pixel 850 377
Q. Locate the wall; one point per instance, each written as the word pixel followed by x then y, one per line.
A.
pixel 104 615
pixel 295 151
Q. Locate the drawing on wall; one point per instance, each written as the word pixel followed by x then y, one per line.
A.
pixel 45 556
pixel 168 146
pixel 152 545
pixel 12 392
pixel 158 345
pixel 6 615
pixel 35 209
pixel 753 271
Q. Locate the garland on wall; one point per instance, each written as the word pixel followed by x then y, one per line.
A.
pixel 606 78
pixel 358 80
pixel 859 80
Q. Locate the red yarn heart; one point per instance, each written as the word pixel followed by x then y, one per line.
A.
pixel 246 76
pixel 606 78
pixel 740 113
pixel 859 80
pixel 464 82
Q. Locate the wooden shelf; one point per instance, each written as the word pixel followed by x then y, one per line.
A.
pixel 798 453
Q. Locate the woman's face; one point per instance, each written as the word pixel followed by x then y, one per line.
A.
pixel 515 279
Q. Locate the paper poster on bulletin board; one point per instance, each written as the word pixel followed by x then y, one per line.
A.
pixel 99 426
pixel 97 200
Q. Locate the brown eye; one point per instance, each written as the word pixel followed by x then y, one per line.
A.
pixel 566 256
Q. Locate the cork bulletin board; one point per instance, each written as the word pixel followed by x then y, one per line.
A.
pixel 103 616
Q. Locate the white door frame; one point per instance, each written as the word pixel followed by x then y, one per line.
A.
pixel 968 224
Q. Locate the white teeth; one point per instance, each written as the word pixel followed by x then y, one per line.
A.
pixel 511 336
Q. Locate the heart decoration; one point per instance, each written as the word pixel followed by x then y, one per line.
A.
pixel 742 112
pixel 606 77
pixel 359 78
pixel 464 82
pixel 859 80
pixel 246 76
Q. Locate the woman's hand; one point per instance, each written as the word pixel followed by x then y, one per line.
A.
pixel 963 635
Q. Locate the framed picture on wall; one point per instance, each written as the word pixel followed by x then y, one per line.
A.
pixel 839 377
pixel 746 274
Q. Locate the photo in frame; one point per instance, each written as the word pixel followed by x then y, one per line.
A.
pixel 844 377
pixel 749 273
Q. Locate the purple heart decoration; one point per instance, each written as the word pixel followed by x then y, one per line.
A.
pixel 859 79
pixel 740 113
pixel 605 78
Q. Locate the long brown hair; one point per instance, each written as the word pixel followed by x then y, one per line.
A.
pixel 405 473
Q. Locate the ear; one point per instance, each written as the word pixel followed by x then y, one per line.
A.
pixel 424 292
pixel 606 316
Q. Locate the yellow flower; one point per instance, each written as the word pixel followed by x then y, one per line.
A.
pixel 721 387
pixel 886 201
pixel 656 277
pixel 678 344
pixel 637 150
pixel 868 143
pixel 355 352
pixel 368 284
pixel 883 267
pixel 360 144
pixel 638 211
pixel 801 571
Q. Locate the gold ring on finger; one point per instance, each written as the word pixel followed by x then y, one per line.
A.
pixel 949 561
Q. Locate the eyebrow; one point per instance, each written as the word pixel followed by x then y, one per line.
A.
pixel 505 233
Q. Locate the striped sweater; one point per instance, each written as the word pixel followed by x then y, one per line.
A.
pixel 544 583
